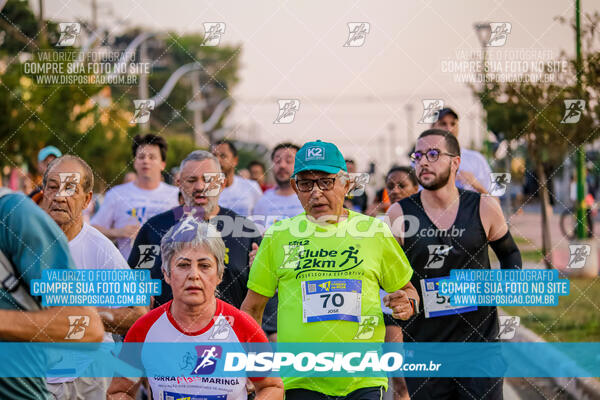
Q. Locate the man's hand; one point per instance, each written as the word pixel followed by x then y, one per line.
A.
pixel 399 302
pixel 252 253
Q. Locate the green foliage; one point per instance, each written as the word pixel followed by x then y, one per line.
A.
pixel 93 121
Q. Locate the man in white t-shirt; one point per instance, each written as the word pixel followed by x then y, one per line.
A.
pixel 239 195
pixel 67 188
pixel 474 171
pixel 281 201
pixel 128 206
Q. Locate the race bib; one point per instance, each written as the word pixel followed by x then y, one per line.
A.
pixel 435 304
pixel 180 396
pixel 331 299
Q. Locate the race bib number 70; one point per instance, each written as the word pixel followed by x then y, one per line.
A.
pixel 331 299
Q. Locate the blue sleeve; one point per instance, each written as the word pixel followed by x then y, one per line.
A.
pixel 30 238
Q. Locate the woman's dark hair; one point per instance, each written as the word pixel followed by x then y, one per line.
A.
pixel 407 170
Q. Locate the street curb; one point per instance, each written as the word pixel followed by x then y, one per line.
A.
pixel 580 388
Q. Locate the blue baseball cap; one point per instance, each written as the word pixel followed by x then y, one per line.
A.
pixel 319 156
pixel 48 151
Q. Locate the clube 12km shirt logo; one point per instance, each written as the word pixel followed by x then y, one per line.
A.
pixel 207 359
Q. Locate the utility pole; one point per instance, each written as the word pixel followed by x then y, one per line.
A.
pixel 580 155
pixel 94 15
pixel 196 107
pixel 143 86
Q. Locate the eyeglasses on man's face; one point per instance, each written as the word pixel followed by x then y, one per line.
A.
pixel 307 185
pixel 432 155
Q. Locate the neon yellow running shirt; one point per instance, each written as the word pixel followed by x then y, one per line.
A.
pixel 328 280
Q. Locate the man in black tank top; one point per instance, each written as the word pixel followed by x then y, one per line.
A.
pixel 448 228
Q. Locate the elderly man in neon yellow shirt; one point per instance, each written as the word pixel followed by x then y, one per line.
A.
pixel 328 265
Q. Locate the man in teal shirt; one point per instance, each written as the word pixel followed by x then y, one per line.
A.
pixel 33 242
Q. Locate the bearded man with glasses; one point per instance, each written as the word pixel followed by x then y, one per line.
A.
pixel 328 267
pixel 454 228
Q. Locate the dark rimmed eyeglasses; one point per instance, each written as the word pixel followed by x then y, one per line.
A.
pixel 432 155
pixel 307 185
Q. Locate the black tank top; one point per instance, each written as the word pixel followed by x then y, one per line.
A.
pixel 433 253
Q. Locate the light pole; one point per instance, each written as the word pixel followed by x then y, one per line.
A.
pixel 484 31
pixel 580 155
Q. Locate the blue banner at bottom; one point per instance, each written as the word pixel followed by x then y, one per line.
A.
pixel 218 359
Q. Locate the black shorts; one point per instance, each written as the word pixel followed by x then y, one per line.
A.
pixel 368 393
pixel 455 388
pixel 388 320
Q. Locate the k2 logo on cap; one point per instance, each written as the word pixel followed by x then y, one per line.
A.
pixel 366 327
pixel 357 33
pixel 68 33
pixel 508 326
pixel 77 326
pixel 499 33
pixel 499 184
pixel 68 183
pixel 148 254
pixel 287 111
pixel 437 255
pixel 207 359
pixel 142 111
pixel 315 153
pixel 213 32
pixel 578 254
pixel 573 111
pixel 222 327
pixel 431 110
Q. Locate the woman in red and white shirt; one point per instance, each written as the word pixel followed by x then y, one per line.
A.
pixel 193 263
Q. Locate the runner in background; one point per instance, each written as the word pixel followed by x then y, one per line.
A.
pixel 281 201
pixel 454 228
pixel 240 194
pixel 126 207
pixel 474 172
pixel 357 266
pixel 45 157
pixel 67 187
pixel 380 204
pixel 258 174
pixel 357 203
pixel 201 183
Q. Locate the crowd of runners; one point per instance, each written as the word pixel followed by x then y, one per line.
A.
pixel 298 261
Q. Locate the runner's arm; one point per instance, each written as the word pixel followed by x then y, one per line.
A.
pixel 499 237
pixel 254 305
pixel 492 218
pixel 49 325
pixel 400 302
pixel 269 389
pixel 395 220
pixel 123 388
pixel 119 320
